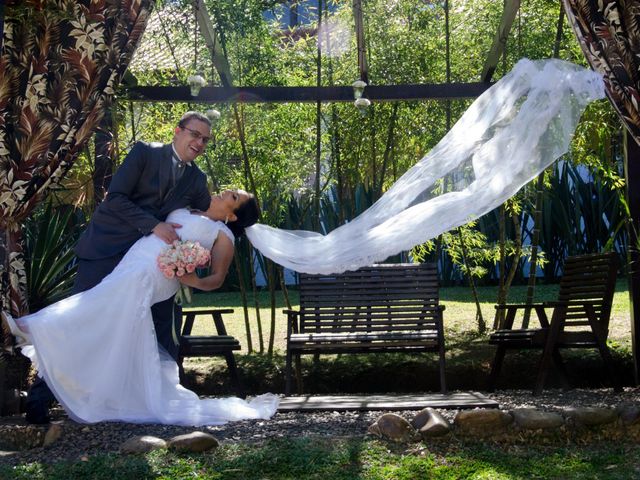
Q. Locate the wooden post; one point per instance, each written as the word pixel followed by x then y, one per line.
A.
pixel 362 54
pixel 632 174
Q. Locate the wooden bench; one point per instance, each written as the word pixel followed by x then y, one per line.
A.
pixel 382 308
pixel 580 318
pixel 221 344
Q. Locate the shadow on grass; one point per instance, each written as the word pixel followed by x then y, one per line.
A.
pixel 468 365
pixel 353 458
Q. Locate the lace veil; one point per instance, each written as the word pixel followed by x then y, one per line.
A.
pixel 508 136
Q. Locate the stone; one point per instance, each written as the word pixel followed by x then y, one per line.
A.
pixel 22 437
pixel 193 442
pixel 533 419
pixel 53 434
pixel 592 416
pixel 391 426
pixel 142 444
pixel 483 421
pixel 629 414
pixel 429 423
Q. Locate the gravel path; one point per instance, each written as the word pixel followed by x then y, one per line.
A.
pixel 85 440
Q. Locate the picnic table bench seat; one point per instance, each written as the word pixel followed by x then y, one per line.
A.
pixel 580 319
pixel 221 344
pixel 381 308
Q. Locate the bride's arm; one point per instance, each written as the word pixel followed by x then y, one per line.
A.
pixel 221 258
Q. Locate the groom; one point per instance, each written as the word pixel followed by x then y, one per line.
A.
pixel 152 181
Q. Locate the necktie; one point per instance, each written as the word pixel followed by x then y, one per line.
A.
pixel 178 170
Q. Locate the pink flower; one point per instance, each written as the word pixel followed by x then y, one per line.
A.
pixel 182 257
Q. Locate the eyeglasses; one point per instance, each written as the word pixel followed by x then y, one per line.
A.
pixel 196 135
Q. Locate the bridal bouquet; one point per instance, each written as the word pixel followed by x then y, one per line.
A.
pixel 182 256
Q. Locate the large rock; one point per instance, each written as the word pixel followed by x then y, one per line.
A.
pixel 193 442
pixel 592 416
pixel 484 421
pixel 391 426
pixel 142 444
pixel 629 414
pixel 53 434
pixel 22 437
pixel 532 419
pixel 429 423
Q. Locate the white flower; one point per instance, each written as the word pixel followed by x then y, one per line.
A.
pixel 196 82
pixel 212 114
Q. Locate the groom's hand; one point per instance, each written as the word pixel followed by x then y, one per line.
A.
pixel 167 231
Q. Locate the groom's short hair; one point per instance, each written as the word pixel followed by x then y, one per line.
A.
pixel 191 115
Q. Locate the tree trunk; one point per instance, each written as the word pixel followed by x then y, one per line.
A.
pixel 271 279
pixel 499 317
pixel 535 241
pixel 13 367
pixel 482 326
pixel 103 166
pixel 245 301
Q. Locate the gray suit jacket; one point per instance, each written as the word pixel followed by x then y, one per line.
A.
pixel 140 196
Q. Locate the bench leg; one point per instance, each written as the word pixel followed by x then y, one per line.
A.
pixel 287 374
pixel 299 374
pixel 557 360
pixel 496 366
pixel 557 323
pixel 233 372
pixel 543 369
pixel 443 381
pixel 605 353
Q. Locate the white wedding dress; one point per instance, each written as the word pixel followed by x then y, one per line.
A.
pixel 98 353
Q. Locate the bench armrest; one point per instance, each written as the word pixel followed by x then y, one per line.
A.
pixel 506 306
pixel 216 315
pixel 512 308
pixel 558 303
pixel 292 321
pixel 204 311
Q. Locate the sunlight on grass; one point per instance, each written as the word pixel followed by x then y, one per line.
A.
pixel 350 459
pixel 459 316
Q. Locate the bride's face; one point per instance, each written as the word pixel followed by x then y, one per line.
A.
pixel 223 205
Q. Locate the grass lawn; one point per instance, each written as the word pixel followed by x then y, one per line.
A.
pixel 469 355
pixel 459 316
pixel 352 459
pixel 361 457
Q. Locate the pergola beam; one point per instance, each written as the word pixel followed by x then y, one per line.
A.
pixel 359 25
pixel 500 40
pixel 306 94
pixel 208 31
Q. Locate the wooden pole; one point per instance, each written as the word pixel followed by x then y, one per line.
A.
pixel 632 174
pixel 359 24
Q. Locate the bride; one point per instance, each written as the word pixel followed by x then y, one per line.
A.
pixel 97 350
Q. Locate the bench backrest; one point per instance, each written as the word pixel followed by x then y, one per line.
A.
pixel 397 297
pixel 589 277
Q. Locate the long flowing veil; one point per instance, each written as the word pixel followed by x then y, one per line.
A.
pixel 508 136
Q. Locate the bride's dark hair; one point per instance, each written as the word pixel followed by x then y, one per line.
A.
pixel 247 214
